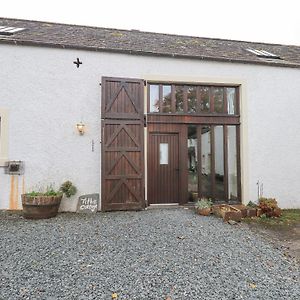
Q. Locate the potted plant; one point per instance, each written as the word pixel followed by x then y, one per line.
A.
pixel 45 204
pixel 251 209
pixel 203 206
pixel 68 189
pixel 269 207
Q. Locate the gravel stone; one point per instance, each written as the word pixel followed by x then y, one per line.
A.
pixel 152 254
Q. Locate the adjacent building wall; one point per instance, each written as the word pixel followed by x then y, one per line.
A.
pixel 45 95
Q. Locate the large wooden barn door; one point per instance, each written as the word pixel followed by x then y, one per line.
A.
pixel 122 144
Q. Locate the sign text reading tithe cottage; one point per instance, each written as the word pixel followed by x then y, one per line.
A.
pixel 88 203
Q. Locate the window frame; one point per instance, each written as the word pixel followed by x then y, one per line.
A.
pixel 197 108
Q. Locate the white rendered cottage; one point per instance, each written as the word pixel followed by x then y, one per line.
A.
pixel 166 118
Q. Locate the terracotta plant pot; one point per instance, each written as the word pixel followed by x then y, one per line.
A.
pixel 40 207
pixel 277 212
pixel 258 212
pixel 243 209
pixel 204 211
pixel 251 212
pixel 273 212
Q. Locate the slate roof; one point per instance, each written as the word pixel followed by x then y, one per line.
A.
pixel 146 43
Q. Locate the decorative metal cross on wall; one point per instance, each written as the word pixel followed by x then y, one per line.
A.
pixel 77 62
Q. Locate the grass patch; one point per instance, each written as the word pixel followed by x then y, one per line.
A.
pixel 288 217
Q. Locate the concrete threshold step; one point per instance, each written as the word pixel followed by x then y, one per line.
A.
pixel 164 205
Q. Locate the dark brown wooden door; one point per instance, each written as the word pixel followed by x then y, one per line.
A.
pixel 122 144
pixel 163 168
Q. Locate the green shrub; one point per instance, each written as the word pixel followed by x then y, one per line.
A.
pixel 251 204
pixel 203 203
pixel 68 189
pixel 50 191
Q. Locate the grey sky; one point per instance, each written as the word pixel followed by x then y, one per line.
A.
pixel 261 21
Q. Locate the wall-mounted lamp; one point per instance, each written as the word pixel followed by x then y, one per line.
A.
pixel 80 127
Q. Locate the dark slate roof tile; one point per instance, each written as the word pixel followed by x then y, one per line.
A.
pixel 146 43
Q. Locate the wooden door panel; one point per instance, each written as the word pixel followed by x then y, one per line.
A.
pixel 122 144
pixel 122 98
pixel 163 179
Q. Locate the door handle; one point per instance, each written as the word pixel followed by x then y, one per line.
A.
pixel 177 169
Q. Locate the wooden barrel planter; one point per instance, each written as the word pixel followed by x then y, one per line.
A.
pixel 40 207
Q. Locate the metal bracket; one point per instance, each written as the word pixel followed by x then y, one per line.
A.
pixel 14 167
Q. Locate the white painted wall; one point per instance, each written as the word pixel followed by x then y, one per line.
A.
pixel 46 95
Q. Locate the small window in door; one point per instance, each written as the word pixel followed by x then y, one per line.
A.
pixel 163 153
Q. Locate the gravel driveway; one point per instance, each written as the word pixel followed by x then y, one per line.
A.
pixel 151 254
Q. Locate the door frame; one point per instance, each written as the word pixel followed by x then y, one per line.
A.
pixel 174 123
pixel 178 129
pixel 167 121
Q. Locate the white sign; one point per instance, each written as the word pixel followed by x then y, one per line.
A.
pixel 88 203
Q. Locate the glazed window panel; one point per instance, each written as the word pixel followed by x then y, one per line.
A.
pixel 166 103
pixel 206 161
pixel 166 98
pixel 192 144
pixel 192 99
pixel 231 101
pixel 232 163
pixel 154 98
pixel 218 99
pixel 204 99
pixel 219 162
pixel 179 90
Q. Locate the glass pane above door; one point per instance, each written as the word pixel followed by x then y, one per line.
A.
pixel 231 101
pixel 154 98
pixel 179 98
pixel 204 99
pixel 191 99
pixel 218 99
pixel 166 99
